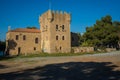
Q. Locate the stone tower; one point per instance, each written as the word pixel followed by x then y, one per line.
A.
pixel 55 32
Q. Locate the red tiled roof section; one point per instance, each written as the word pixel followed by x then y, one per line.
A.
pixel 26 30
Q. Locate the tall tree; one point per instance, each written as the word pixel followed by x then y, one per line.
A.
pixel 102 33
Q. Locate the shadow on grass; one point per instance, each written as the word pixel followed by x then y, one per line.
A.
pixel 7 57
pixel 3 66
pixel 67 71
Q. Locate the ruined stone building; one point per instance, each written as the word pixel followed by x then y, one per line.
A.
pixel 53 37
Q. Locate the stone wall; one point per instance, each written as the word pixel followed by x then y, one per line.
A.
pixel 20 46
pixel 55 32
pixel 54 37
pixel 110 49
pixel 82 49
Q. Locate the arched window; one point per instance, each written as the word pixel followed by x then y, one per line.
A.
pixel 63 27
pixel 56 27
pixel 17 37
pixel 56 37
pixel 24 37
pixel 63 37
pixel 36 40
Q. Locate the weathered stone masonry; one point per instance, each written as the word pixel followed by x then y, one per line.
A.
pixel 53 36
pixel 55 32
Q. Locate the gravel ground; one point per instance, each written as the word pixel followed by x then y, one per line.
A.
pixel 85 67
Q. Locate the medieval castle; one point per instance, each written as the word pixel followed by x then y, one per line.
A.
pixel 54 35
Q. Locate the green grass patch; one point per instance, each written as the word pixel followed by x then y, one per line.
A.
pixel 53 54
pixel 7 58
pixel 31 55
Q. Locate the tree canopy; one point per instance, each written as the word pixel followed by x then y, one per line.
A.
pixel 33 27
pixel 2 46
pixel 104 33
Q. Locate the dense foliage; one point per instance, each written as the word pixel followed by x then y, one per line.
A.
pixel 2 46
pixel 31 27
pixel 104 33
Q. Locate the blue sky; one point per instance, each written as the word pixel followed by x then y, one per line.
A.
pixel 23 13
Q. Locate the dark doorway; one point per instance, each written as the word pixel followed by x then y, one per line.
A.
pixel 60 48
pixel 19 50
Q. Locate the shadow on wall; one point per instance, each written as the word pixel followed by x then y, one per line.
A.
pixel 74 39
pixel 11 45
pixel 67 71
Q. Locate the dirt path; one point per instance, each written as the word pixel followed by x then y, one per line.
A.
pixel 86 67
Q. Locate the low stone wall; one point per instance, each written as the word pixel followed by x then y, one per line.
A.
pixel 82 49
pixel 110 49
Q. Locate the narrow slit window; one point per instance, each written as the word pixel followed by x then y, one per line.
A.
pixel 56 37
pixel 56 27
pixel 63 37
pixel 24 37
pixel 63 27
pixel 60 47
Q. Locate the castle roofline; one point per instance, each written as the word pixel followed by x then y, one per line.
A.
pixel 25 30
pixel 56 11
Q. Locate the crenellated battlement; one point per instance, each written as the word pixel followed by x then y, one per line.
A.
pixel 56 15
pixel 59 12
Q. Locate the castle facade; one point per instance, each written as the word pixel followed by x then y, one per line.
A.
pixel 53 37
